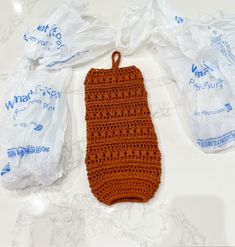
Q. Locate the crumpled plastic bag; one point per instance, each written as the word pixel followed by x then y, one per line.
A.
pixel 198 55
pixel 136 28
pixel 34 117
pixel 70 36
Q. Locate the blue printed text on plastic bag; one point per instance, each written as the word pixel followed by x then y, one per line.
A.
pixel 226 108
pixel 53 37
pixel 217 141
pixel 205 72
pixel 23 151
pixel 218 42
pixel 44 97
pixel 5 169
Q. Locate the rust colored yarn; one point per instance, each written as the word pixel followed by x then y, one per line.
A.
pixel 123 160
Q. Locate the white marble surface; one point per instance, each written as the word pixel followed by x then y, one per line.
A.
pixel 195 203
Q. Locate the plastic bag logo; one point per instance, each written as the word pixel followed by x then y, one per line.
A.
pixel 44 91
pixel 23 151
pixel 52 32
pixel 38 127
pixel 179 19
pixel 203 72
pixel 18 99
pixel 228 107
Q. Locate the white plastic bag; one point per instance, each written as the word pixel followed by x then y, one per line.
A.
pixel 199 57
pixel 136 28
pixel 34 119
pixel 69 36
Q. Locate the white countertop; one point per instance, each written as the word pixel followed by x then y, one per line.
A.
pixel 195 203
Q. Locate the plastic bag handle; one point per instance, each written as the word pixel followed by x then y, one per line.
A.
pixel 116 62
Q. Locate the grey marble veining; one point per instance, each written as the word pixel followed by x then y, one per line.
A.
pixel 14 20
pixel 52 219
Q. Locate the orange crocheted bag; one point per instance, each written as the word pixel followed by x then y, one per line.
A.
pixel 123 160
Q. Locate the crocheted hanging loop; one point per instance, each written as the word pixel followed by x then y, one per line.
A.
pixel 115 63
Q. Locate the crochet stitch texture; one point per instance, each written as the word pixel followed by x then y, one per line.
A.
pixel 122 159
